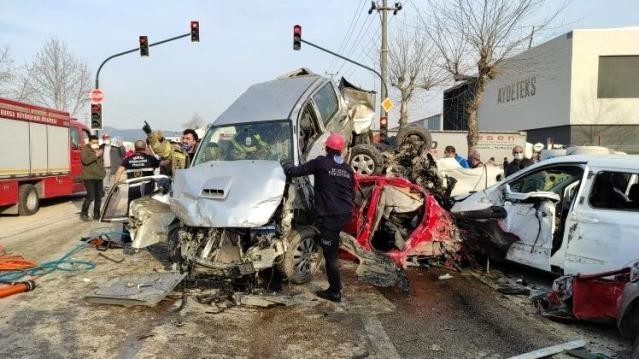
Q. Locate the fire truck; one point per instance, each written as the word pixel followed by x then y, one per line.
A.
pixel 39 156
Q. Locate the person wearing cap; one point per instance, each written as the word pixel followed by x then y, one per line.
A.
pixel 334 195
pixel 519 161
pixel 113 156
pixel 474 159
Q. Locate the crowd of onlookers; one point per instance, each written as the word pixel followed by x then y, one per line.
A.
pixel 518 162
pixel 105 164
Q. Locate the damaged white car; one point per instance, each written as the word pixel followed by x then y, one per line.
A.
pixel 574 214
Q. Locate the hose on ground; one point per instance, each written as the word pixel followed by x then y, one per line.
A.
pixel 64 263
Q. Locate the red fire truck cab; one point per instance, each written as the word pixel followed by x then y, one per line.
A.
pixel 39 156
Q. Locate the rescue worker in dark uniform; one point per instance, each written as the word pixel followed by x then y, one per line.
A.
pixel 141 164
pixel 334 195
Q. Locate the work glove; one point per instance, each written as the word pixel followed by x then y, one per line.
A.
pixel 147 128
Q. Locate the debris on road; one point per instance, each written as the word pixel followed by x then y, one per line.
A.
pixel 141 289
pixel 265 301
pixel 373 267
pixel 584 297
pixel 445 276
pixel 555 349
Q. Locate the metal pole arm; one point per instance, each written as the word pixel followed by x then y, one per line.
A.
pixel 383 82
pixel 97 74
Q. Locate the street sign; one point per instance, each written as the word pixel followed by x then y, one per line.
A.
pixel 97 96
pixel 387 104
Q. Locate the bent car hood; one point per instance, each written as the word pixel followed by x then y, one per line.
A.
pixel 228 193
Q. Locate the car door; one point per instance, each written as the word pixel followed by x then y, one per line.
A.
pixel 312 133
pixel 531 203
pixel 331 110
pixel 116 205
pixel 602 227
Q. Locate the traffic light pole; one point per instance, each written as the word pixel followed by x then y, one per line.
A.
pixel 97 74
pixel 349 60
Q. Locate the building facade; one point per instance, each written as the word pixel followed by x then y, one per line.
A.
pixel 581 88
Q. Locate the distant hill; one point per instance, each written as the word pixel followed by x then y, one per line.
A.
pixel 132 134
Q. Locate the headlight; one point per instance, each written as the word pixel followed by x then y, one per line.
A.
pixel 634 272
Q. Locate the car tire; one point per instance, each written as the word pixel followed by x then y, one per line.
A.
pixel 416 132
pixel 303 256
pixel 635 349
pixel 29 200
pixel 366 159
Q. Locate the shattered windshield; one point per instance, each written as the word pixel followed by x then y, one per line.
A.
pixel 270 140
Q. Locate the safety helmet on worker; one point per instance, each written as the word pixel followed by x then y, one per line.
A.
pixel 335 142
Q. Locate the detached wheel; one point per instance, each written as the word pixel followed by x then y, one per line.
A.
pixel 416 134
pixel 303 257
pixel 29 200
pixel 366 160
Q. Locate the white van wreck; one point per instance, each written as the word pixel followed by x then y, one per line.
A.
pixel 569 215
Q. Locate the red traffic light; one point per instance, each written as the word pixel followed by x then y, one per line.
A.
pixel 144 46
pixel 297 37
pixel 195 31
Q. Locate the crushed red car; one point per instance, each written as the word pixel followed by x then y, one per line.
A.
pixel 609 297
pixel 400 220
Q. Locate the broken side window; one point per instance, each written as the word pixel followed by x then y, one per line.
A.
pixel 547 180
pixel 615 190
pixel 308 128
pixel 326 102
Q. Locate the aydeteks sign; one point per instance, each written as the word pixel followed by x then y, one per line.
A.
pixel 517 90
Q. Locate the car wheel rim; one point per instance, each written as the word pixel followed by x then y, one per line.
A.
pixel 32 200
pixel 363 164
pixel 304 259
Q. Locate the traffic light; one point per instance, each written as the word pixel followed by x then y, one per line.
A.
pixel 96 116
pixel 297 37
pixel 195 31
pixel 144 46
pixel 383 126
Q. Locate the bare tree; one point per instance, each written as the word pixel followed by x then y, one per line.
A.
pixel 475 38
pixel 413 67
pixel 195 122
pixel 56 78
pixel 6 71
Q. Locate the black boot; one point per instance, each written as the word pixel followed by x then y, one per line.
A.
pixel 84 213
pixel 328 295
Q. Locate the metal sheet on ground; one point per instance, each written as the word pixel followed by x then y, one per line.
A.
pixel 140 289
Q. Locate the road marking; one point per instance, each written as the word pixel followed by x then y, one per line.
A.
pixel 378 338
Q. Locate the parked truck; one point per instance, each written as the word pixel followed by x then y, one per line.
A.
pixel 39 156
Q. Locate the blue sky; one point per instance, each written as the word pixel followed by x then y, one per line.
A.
pixel 242 42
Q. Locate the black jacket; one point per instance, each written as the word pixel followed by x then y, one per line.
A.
pixel 334 184
pixel 515 166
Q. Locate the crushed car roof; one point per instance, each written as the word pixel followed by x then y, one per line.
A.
pixel 268 101
pixel 614 161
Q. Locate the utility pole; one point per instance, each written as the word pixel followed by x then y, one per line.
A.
pixel 384 52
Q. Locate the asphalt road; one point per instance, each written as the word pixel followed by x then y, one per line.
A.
pixel 461 317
